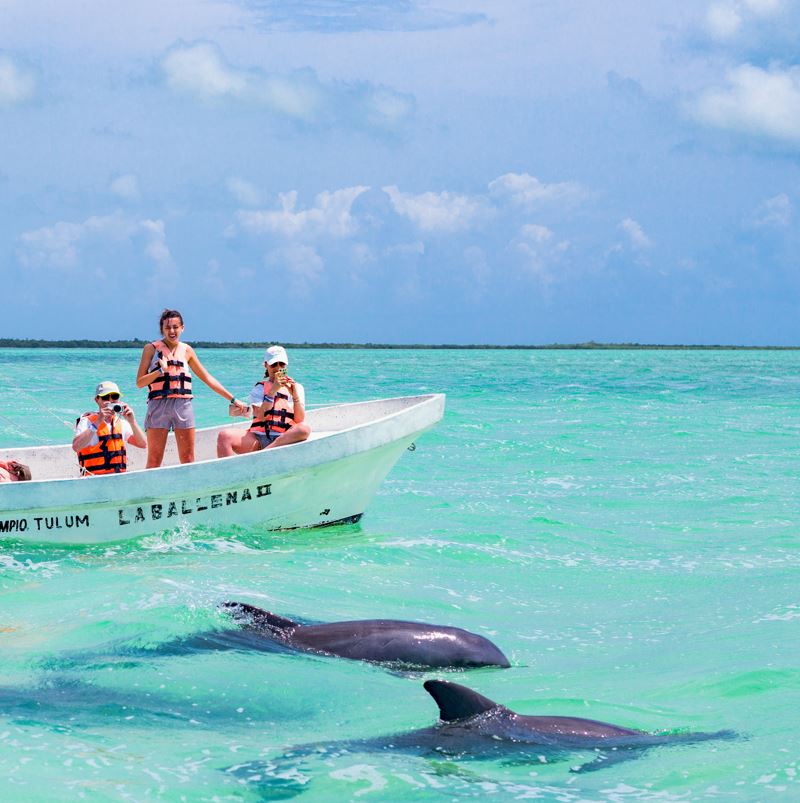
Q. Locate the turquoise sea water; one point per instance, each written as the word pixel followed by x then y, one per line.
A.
pixel 624 525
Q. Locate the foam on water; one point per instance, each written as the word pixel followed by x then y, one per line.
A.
pixel 624 525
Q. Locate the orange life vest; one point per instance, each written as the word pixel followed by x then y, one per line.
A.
pixel 279 418
pixel 107 456
pixel 176 383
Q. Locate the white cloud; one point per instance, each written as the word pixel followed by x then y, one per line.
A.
pixel 156 247
pixel 638 240
pixel 57 246
pixel 125 187
pixel 727 18
pixel 330 216
pixel 724 20
pixel 243 191
pixel 388 109
pixel 303 264
pixel 16 84
pixel 439 212
pixel 299 96
pixel 540 250
pixel 774 212
pixel 525 190
pixel 201 71
pixel 755 101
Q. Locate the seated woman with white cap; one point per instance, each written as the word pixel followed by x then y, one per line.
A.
pixel 278 411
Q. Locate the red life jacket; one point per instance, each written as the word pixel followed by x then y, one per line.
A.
pixel 279 418
pixel 107 456
pixel 176 383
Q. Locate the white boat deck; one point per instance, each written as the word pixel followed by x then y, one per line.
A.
pixel 60 462
pixel 328 479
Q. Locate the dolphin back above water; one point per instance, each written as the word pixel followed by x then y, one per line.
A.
pixel 473 727
pixel 462 709
pixel 469 721
pixel 389 641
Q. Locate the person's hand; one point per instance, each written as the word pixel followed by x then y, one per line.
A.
pixel 162 364
pixel 291 386
pixel 127 413
pixel 106 413
pixel 241 407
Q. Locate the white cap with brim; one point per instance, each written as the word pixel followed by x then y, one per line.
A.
pixel 275 354
pixel 104 388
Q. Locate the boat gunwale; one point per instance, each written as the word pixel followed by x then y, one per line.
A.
pixel 244 462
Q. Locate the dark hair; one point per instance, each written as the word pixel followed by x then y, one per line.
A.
pixel 19 470
pixel 165 315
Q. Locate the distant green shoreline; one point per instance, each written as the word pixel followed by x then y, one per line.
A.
pixel 14 343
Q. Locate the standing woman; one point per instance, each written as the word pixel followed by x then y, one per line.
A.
pixel 164 368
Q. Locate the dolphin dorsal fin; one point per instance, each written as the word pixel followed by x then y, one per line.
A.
pixel 457 702
pixel 257 617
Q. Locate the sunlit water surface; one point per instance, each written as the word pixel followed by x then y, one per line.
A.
pixel 624 525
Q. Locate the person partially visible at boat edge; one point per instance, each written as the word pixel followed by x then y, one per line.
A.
pixel 164 369
pixel 278 404
pixel 12 471
pixel 101 435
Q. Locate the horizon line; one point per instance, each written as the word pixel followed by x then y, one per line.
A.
pixel 587 345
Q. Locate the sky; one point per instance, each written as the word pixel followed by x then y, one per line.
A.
pixel 399 171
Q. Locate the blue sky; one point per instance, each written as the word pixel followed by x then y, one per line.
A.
pixel 437 172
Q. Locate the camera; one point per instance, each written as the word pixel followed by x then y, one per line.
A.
pixel 117 408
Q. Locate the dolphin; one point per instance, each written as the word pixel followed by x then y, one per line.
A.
pixel 384 641
pixel 473 727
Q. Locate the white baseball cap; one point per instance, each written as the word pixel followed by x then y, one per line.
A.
pixel 104 388
pixel 275 354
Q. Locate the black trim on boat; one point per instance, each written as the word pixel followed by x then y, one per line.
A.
pixel 347 520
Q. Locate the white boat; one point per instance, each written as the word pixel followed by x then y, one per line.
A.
pixel 328 479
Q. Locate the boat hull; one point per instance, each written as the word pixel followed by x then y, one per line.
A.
pixel 323 481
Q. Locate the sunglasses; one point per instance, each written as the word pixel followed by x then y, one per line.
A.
pixel 110 397
pixel 276 365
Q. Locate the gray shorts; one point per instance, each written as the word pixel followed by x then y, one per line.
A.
pixel 265 438
pixel 169 414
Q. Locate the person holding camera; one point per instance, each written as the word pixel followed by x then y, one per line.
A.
pixel 278 404
pixel 100 437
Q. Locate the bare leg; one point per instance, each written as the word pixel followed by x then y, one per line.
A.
pixel 156 443
pixel 295 434
pixel 184 438
pixel 236 441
